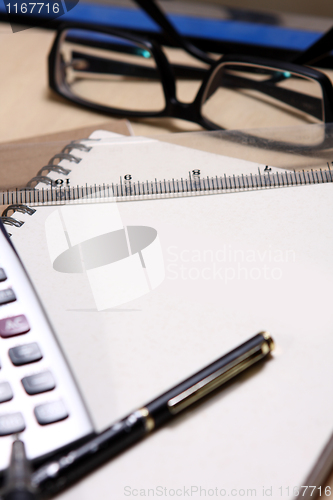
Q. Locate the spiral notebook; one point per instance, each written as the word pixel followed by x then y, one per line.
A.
pixel 171 285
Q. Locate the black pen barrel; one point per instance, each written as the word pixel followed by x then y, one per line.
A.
pixel 177 399
pixel 59 474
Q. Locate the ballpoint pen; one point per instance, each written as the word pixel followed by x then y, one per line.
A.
pixel 62 472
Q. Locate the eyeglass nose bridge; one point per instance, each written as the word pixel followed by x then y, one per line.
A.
pixel 183 110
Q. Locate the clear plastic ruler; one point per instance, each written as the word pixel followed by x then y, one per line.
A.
pixel 194 184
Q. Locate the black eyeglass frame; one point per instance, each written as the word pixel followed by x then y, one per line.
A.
pixel 173 107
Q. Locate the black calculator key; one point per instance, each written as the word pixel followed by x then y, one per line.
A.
pixel 24 354
pixel 11 423
pixel 3 275
pixel 6 393
pixel 7 296
pixel 49 413
pixel 15 325
pixel 40 382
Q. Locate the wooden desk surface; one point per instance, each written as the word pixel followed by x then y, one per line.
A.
pixel 28 108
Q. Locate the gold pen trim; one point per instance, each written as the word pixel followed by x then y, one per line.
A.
pixel 148 419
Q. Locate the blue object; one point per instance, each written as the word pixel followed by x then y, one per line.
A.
pixel 277 37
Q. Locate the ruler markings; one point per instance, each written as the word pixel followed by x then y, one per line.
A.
pixel 165 188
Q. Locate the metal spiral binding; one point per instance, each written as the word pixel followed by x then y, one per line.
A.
pixel 24 209
pixel 40 178
pixel 77 145
pixel 50 167
pixel 53 168
pixel 11 221
pixel 64 156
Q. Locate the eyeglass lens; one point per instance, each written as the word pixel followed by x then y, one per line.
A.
pixel 244 92
pixel 107 70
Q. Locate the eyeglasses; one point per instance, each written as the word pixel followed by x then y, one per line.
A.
pixel 126 76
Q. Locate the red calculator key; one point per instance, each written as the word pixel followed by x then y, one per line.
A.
pixel 16 325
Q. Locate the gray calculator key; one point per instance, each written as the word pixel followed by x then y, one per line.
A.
pixel 11 423
pixel 40 382
pixel 24 354
pixel 6 393
pixel 3 275
pixel 49 413
pixel 7 296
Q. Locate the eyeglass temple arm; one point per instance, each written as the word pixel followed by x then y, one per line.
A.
pixel 317 51
pixel 152 9
pixel 101 65
pixel 298 100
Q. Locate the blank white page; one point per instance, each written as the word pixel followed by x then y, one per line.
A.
pixel 232 265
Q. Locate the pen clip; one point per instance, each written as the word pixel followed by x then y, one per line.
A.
pixel 216 379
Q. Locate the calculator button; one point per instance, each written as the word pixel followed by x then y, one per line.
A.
pixel 40 382
pixel 7 296
pixel 16 325
pixel 24 354
pixel 49 413
pixel 3 275
pixel 11 423
pixel 6 393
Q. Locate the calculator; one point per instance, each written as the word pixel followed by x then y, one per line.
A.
pixel 39 398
